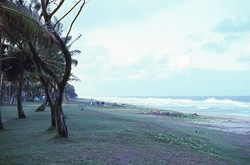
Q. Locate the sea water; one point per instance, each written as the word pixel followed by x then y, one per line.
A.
pixel 204 105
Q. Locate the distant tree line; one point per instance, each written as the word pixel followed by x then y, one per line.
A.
pixel 36 59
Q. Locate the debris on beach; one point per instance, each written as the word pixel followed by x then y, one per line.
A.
pixel 164 113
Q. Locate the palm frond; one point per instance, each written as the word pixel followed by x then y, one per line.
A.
pixel 73 78
pixel 75 52
pixel 22 23
pixel 74 62
pixel 7 58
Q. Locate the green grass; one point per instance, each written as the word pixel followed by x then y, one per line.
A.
pixel 113 135
pixel 188 142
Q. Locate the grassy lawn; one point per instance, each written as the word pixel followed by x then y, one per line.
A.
pixel 115 135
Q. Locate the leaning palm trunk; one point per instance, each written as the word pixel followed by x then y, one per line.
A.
pixel 1 122
pixel 42 107
pixel 53 118
pixel 1 87
pixel 12 93
pixel 58 117
pixel 61 122
pixel 20 111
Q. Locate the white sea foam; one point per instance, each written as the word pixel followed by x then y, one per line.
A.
pixel 210 105
pixel 226 102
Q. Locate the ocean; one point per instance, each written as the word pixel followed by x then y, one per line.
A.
pixel 203 105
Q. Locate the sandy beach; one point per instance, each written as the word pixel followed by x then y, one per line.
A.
pixel 234 125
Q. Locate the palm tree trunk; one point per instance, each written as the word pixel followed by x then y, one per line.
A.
pixel 1 122
pixel 43 106
pixel 61 122
pixel 20 111
pixel 12 93
pixel 1 87
pixel 49 95
pixel 53 118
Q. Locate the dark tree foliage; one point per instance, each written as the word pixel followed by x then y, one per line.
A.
pixel 70 91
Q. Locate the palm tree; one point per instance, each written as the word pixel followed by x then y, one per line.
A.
pixel 20 23
pixel 15 67
pixel 62 79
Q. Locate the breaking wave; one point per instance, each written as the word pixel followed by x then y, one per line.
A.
pixel 226 102
pixel 204 105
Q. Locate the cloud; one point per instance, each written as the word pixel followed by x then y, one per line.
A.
pixel 243 59
pixel 215 47
pixel 139 75
pixel 111 12
pixel 181 62
pixel 233 26
pixel 233 38
pixel 247 49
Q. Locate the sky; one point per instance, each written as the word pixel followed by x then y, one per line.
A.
pixel 162 48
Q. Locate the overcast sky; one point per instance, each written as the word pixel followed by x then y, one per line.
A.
pixel 163 48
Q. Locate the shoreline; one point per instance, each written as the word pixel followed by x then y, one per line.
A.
pixel 231 125
pixel 232 106
pixel 226 123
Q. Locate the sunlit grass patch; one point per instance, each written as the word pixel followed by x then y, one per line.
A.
pixel 189 142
